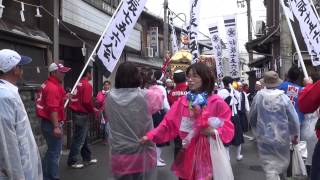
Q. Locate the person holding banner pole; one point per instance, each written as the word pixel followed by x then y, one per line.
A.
pixel 81 106
pixel 309 102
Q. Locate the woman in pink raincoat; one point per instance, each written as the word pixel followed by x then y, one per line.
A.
pixel 181 120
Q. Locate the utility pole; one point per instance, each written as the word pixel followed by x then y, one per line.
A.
pixel 249 28
pixel 165 29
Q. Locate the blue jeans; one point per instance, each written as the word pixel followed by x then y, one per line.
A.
pixel 51 159
pixel 80 138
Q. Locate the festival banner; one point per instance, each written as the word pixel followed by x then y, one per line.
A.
pixel 173 34
pixel 309 24
pixel 118 32
pixel 154 40
pixel 217 49
pixel 230 26
pixel 193 33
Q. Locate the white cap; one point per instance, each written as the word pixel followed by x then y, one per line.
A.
pixel 178 71
pixel 169 80
pixel 58 67
pixel 9 59
pixel 258 83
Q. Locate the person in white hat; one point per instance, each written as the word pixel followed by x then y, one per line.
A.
pixel 50 109
pixel 19 154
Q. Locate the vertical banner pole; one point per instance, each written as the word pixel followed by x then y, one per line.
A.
pixel 93 52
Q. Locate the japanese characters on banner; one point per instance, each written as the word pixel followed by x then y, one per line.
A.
pixel 154 36
pixel 118 32
pixel 217 49
pixel 193 33
pixel 230 26
pixel 308 23
pixel 173 34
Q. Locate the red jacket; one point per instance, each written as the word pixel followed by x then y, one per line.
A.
pixel 82 100
pixel 309 98
pixel 50 98
pixel 309 101
pixel 178 91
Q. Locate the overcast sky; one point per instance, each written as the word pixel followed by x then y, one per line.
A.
pixel 213 11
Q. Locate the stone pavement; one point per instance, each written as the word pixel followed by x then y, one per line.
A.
pixel 247 169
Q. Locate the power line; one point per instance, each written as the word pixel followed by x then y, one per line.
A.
pixel 186 22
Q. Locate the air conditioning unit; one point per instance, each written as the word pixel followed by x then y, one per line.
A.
pixel 149 51
pixel 260 28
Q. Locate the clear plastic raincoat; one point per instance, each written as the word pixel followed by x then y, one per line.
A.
pixel 274 122
pixel 19 155
pixel 129 111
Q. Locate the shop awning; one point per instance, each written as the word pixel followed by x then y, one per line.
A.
pixel 24 31
pixel 263 44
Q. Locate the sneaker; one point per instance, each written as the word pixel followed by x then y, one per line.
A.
pixel 161 160
pixel 160 164
pixel 92 161
pixel 77 166
pixel 239 158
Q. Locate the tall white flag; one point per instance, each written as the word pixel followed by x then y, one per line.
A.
pixel 217 49
pixel 173 34
pixel 118 32
pixel 230 26
pixel 309 25
pixel 193 33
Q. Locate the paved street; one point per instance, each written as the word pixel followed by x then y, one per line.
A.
pixel 246 169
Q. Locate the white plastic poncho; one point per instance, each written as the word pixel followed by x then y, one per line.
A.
pixel 274 122
pixel 308 134
pixel 129 111
pixel 19 155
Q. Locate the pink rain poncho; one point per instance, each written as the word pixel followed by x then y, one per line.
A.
pixel 193 162
pixel 129 112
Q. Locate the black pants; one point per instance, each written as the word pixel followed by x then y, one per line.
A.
pixel 177 146
pixel 315 168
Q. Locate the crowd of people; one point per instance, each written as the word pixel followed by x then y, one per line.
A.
pixel 144 111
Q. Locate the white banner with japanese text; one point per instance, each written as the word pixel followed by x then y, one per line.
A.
pixel 154 40
pixel 173 34
pixel 193 33
pixel 118 32
pixel 230 26
pixel 217 49
pixel 308 23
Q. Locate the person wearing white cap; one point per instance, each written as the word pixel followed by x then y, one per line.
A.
pixel 19 154
pixel 50 109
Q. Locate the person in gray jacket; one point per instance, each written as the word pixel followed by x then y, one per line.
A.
pixel 129 110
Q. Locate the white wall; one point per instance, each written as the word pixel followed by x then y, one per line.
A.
pixel 85 16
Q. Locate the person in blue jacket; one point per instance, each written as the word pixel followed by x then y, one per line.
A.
pixel 292 89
